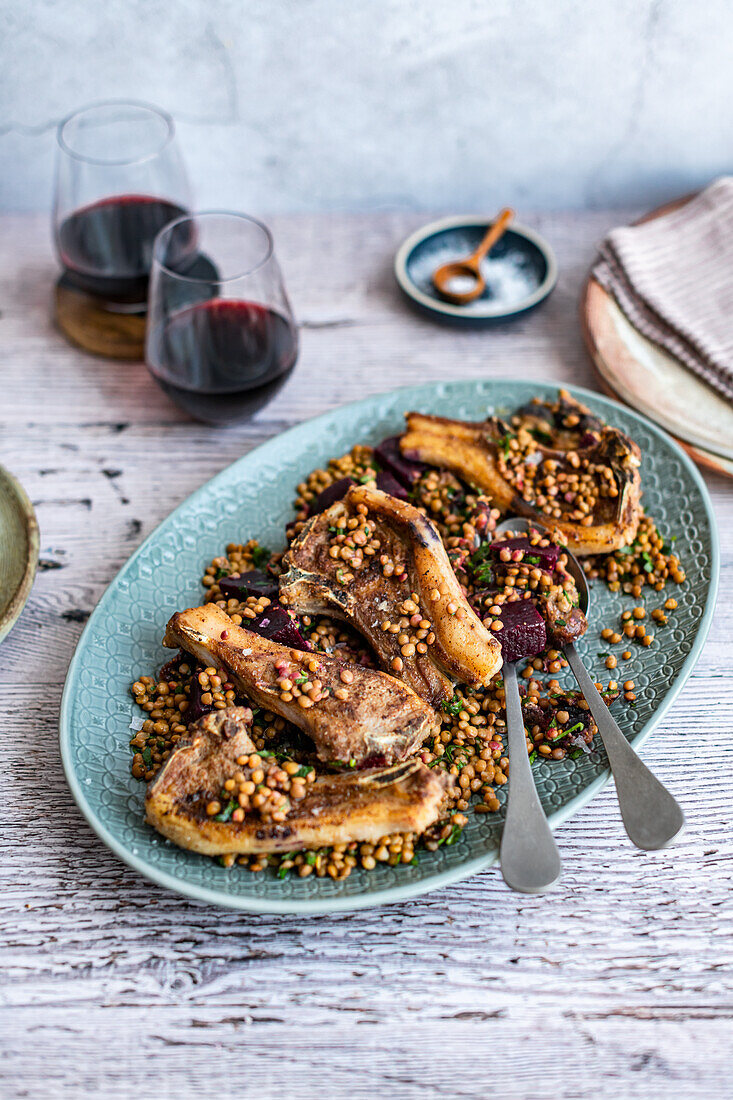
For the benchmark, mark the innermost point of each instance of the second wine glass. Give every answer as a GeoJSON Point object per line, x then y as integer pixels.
{"type": "Point", "coordinates": [221, 338]}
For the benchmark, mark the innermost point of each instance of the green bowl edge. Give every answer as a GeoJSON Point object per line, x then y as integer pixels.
{"type": "Point", "coordinates": [23, 591]}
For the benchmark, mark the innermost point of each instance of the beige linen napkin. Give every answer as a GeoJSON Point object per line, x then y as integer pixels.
{"type": "Point", "coordinates": [673, 278]}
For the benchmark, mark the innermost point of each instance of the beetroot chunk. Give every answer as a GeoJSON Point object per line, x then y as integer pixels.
{"type": "Point", "coordinates": [389, 484]}
{"type": "Point", "coordinates": [389, 455]}
{"type": "Point", "coordinates": [336, 491]}
{"type": "Point", "coordinates": [196, 707]}
{"type": "Point", "coordinates": [278, 624]}
{"type": "Point", "coordinates": [254, 583]}
{"type": "Point", "coordinates": [523, 632]}
{"type": "Point", "coordinates": [546, 556]}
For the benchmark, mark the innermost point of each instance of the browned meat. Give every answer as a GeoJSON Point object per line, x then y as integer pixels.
{"type": "Point", "coordinates": [335, 809]}
{"type": "Point", "coordinates": [350, 712]}
{"type": "Point", "coordinates": [475, 453]}
{"type": "Point", "coordinates": [380, 564]}
{"type": "Point", "coordinates": [565, 623]}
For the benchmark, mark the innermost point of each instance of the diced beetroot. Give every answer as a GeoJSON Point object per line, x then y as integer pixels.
{"type": "Point", "coordinates": [523, 633]}
{"type": "Point", "coordinates": [254, 583]}
{"type": "Point", "coordinates": [389, 455]}
{"type": "Point", "coordinates": [196, 708]}
{"type": "Point", "coordinates": [278, 624]}
{"type": "Point", "coordinates": [336, 491]}
{"type": "Point", "coordinates": [546, 555]}
{"type": "Point", "coordinates": [389, 484]}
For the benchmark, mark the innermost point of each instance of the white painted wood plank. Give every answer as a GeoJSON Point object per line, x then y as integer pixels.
{"type": "Point", "coordinates": [619, 983]}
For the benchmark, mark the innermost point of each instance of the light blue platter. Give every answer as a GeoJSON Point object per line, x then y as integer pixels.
{"type": "Point", "coordinates": [253, 498]}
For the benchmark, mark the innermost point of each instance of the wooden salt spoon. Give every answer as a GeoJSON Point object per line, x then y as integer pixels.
{"type": "Point", "coordinates": [470, 267]}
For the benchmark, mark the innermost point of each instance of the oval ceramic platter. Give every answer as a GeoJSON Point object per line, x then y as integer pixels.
{"type": "Point", "coordinates": [252, 498]}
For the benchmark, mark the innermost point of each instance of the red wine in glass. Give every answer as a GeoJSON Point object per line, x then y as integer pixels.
{"type": "Point", "coordinates": [119, 181]}
{"type": "Point", "coordinates": [221, 338]}
{"type": "Point", "coordinates": [233, 355]}
{"type": "Point", "coordinates": [106, 247]}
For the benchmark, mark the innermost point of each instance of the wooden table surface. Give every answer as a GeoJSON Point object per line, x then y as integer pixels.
{"type": "Point", "coordinates": [617, 984]}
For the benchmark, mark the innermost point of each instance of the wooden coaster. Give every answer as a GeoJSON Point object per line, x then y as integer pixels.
{"type": "Point", "coordinates": [649, 379]}
{"type": "Point", "coordinates": [90, 324]}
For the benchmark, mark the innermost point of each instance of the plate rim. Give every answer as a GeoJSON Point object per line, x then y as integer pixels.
{"type": "Point", "coordinates": [19, 598]}
{"type": "Point", "coordinates": [407, 890]}
{"type": "Point", "coordinates": [458, 312]}
{"type": "Point", "coordinates": [594, 296]}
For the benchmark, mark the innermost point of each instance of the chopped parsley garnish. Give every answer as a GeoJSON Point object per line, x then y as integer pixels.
{"type": "Point", "coordinates": [531, 559]}
{"type": "Point", "coordinates": [453, 706]}
{"type": "Point", "coordinates": [302, 678]}
{"type": "Point", "coordinates": [540, 436]}
{"type": "Point", "coordinates": [484, 575]}
{"type": "Point", "coordinates": [260, 556]}
{"type": "Point", "coordinates": [452, 836]}
{"type": "Point", "coordinates": [576, 753]}
{"type": "Point", "coordinates": [147, 755]}
{"type": "Point", "coordinates": [504, 442]}
{"type": "Point", "coordinates": [560, 622]}
{"type": "Point", "coordinates": [226, 813]}
{"type": "Point", "coordinates": [303, 771]}
{"type": "Point", "coordinates": [481, 564]}
{"type": "Point", "coordinates": [310, 858]}
{"type": "Point", "coordinates": [221, 573]}
{"type": "Point", "coordinates": [533, 756]}
{"type": "Point", "coordinates": [648, 561]}
{"type": "Point", "coordinates": [282, 871]}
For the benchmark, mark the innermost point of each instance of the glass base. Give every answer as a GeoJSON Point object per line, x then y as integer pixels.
{"type": "Point", "coordinates": [99, 327]}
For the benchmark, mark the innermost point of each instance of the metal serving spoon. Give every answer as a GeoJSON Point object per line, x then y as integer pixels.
{"type": "Point", "coordinates": [530, 861]}
{"type": "Point", "coordinates": [468, 270]}
{"type": "Point", "coordinates": [651, 816]}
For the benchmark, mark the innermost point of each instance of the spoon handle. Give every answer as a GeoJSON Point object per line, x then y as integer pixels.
{"type": "Point", "coordinates": [651, 816]}
{"type": "Point", "coordinates": [494, 233]}
{"type": "Point", "coordinates": [530, 861]}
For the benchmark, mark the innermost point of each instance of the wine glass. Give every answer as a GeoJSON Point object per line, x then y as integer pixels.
{"type": "Point", "coordinates": [221, 336]}
{"type": "Point", "coordinates": [119, 180]}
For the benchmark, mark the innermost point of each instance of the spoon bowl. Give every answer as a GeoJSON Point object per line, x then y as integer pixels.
{"type": "Point", "coordinates": [521, 526]}
{"type": "Point", "coordinates": [469, 268]}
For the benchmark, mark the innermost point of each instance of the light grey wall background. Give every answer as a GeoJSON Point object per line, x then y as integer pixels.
{"type": "Point", "coordinates": [361, 104]}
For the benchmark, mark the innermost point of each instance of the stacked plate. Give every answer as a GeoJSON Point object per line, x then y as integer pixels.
{"type": "Point", "coordinates": [649, 379]}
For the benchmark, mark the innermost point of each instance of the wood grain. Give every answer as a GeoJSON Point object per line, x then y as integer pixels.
{"type": "Point", "coordinates": [619, 983]}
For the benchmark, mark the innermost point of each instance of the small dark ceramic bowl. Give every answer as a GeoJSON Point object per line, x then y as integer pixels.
{"type": "Point", "coordinates": [520, 271]}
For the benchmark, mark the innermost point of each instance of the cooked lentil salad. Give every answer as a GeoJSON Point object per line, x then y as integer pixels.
{"type": "Point", "coordinates": [471, 742]}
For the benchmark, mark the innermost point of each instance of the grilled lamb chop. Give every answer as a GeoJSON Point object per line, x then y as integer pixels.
{"type": "Point", "coordinates": [478, 454]}
{"type": "Point", "coordinates": [350, 712]}
{"type": "Point", "coordinates": [374, 560]}
{"type": "Point", "coordinates": [335, 809]}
